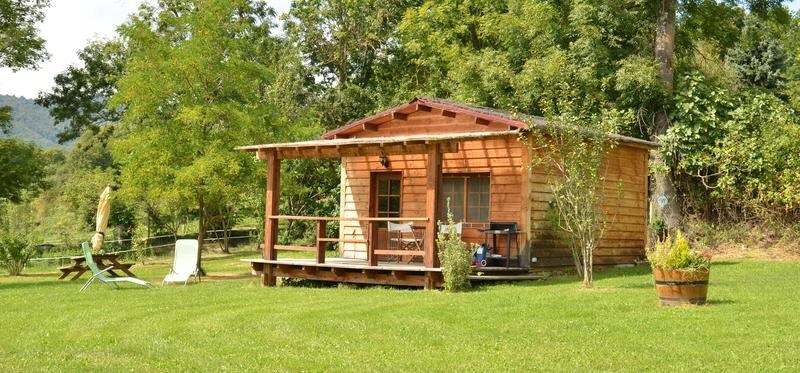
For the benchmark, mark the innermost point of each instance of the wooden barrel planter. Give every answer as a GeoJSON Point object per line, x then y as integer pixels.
{"type": "Point", "coordinates": [676, 288]}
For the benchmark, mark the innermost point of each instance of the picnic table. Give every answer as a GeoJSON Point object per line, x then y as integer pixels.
{"type": "Point", "coordinates": [103, 261]}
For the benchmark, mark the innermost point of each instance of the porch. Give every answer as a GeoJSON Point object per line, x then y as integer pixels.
{"type": "Point", "coordinates": [408, 267]}
{"type": "Point", "coordinates": [358, 271]}
{"type": "Point", "coordinates": [393, 166]}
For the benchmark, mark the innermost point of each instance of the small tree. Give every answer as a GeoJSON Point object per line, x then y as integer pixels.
{"type": "Point", "coordinates": [574, 157]}
{"type": "Point", "coordinates": [15, 252]}
{"type": "Point", "coordinates": [455, 256]}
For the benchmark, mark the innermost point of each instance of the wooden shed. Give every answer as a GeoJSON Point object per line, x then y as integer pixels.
{"type": "Point", "coordinates": [400, 165]}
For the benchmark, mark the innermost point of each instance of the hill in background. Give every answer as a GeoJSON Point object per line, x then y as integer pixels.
{"type": "Point", "coordinates": [31, 122]}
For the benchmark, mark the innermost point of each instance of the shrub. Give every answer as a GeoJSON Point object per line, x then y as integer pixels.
{"type": "Point", "coordinates": [15, 252]}
{"type": "Point", "coordinates": [455, 257]}
{"type": "Point", "coordinates": [676, 253]}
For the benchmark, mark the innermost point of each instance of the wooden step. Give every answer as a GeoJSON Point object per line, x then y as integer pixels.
{"type": "Point", "coordinates": [507, 277]}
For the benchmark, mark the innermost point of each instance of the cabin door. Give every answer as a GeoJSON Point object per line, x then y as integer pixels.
{"type": "Point", "coordinates": [385, 189]}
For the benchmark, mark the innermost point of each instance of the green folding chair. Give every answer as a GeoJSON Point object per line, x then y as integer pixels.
{"type": "Point", "coordinates": [100, 275]}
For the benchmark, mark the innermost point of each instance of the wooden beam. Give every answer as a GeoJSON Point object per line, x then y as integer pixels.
{"type": "Point", "coordinates": [322, 226]}
{"type": "Point", "coordinates": [525, 207]}
{"type": "Point", "coordinates": [421, 107]}
{"type": "Point", "coordinates": [430, 282]}
{"type": "Point", "coordinates": [268, 275]}
{"type": "Point", "coordinates": [369, 127]}
{"type": "Point", "coordinates": [448, 113]}
{"type": "Point", "coordinates": [261, 155]}
{"type": "Point", "coordinates": [482, 121]}
{"type": "Point", "coordinates": [399, 116]}
{"type": "Point", "coordinates": [432, 188]}
{"type": "Point", "coordinates": [271, 204]}
{"type": "Point", "coordinates": [372, 258]}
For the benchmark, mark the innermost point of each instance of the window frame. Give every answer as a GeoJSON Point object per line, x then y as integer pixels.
{"type": "Point", "coordinates": [464, 176]}
{"type": "Point", "coordinates": [376, 195]}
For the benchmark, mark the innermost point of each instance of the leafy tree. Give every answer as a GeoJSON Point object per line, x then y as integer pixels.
{"type": "Point", "coordinates": [20, 44]}
{"type": "Point", "coordinates": [198, 82]}
{"type": "Point", "coordinates": [21, 47]}
{"type": "Point", "coordinates": [80, 95]}
{"type": "Point", "coordinates": [759, 61]}
{"type": "Point", "coordinates": [343, 43]}
{"type": "Point", "coordinates": [23, 169]}
{"type": "Point", "coordinates": [574, 154]}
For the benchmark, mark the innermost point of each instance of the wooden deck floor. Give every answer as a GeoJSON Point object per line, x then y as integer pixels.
{"type": "Point", "coordinates": [385, 273]}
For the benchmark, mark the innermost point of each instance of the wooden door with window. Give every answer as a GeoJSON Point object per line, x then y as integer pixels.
{"type": "Point", "coordinates": [386, 191]}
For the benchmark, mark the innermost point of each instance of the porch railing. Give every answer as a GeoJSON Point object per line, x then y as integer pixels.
{"type": "Point", "coordinates": [322, 240]}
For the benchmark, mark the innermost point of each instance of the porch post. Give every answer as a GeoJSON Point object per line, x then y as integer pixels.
{"type": "Point", "coordinates": [433, 185]}
{"type": "Point", "coordinates": [271, 224]}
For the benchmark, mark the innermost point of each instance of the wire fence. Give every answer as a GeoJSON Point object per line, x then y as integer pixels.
{"type": "Point", "coordinates": [146, 249]}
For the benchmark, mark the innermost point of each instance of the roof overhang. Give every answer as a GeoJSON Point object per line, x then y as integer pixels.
{"type": "Point", "coordinates": [365, 146]}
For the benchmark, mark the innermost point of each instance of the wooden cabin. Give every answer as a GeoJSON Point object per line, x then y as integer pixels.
{"type": "Point", "coordinates": [402, 164]}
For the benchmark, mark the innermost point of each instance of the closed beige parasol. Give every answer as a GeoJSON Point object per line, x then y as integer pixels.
{"type": "Point", "coordinates": [103, 210]}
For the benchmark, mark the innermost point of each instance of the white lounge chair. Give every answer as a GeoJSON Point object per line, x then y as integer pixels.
{"type": "Point", "coordinates": [184, 266]}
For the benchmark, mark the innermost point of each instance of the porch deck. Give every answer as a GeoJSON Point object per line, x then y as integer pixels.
{"type": "Point", "coordinates": [360, 271]}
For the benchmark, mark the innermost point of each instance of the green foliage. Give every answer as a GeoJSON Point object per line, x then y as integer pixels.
{"type": "Point", "coordinates": [23, 169]}
{"type": "Point", "coordinates": [759, 59]}
{"type": "Point", "coordinates": [535, 57]}
{"type": "Point", "coordinates": [200, 79]}
{"type": "Point", "coordinates": [675, 253]}
{"type": "Point", "coordinates": [574, 154]}
{"type": "Point", "coordinates": [79, 97]}
{"type": "Point", "coordinates": [717, 141]}
{"type": "Point", "coordinates": [455, 256]}
{"type": "Point", "coordinates": [15, 251]}
{"type": "Point", "coordinates": [20, 46]}
{"type": "Point", "coordinates": [309, 187]}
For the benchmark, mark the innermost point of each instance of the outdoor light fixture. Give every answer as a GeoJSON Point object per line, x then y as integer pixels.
{"type": "Point", "coordinates": [384, 160]}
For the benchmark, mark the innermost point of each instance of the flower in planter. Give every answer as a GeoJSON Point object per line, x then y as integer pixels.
{"type": "Point", "coordinates": [680, 274]}
{"type": "Point", "coordinates": [676, 253]}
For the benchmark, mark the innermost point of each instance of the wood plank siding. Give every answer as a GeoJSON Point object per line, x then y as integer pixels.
{"type": "Point", "coordinates": [517, 193]}
{"type": "Point", "coordinates": [625, 206]}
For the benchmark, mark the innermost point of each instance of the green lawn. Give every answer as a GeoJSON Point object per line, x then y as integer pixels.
{"type": "Point", "coordinates": [751, 323]}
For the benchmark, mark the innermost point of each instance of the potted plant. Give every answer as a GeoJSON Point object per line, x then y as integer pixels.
{"type": "Point", "coordinates": [680, 274]}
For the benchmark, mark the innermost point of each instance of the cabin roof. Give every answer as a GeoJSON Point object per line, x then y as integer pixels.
{"type": "Point", "coordinates": [514, 121]}
{"type": "Point", "coordinates": [335, 140]}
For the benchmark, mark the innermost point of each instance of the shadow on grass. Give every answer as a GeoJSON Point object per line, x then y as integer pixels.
{"type": "Point", "coordinates": [640, 285]}
{"type": "Point", "coordinates": [11, 285]}
{"type": "Point", "coordinates": [715, 302]}
{"type": "Point", "coordinates": [724, 263]}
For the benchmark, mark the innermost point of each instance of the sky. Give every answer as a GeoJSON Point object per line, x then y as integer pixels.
{"type": "Point", "coordinates": [70, 24]}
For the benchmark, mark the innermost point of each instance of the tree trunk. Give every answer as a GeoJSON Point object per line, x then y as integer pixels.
{"type": "Point", "coordinates": [226, 232]}
{"type": "Point", "coordinates": [587, 267]}
{"type": "Point", "coordinates": [668, 207]}
{"type": "Point", "coordinates": [201, 232]}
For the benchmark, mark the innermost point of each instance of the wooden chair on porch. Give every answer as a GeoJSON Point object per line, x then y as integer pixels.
{"type": "Point", "coordinates": [402, 236]}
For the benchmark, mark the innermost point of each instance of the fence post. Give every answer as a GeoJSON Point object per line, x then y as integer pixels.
{"type": "Point", "coordinates": [322, 226]}
{"type": "Point", "coordinates": [371, 257]}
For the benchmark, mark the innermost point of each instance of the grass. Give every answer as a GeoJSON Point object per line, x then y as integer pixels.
{"type": "Point", "coordinates": [751, 323]}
